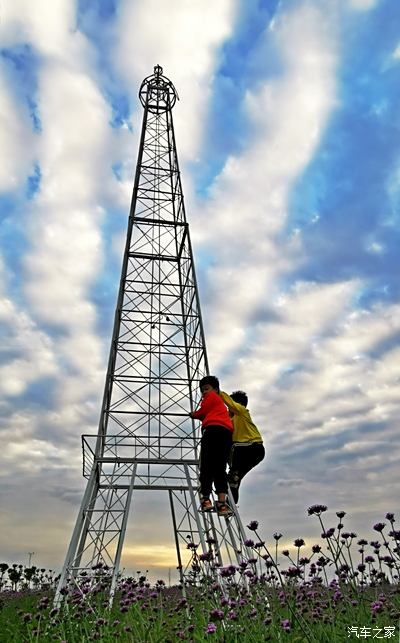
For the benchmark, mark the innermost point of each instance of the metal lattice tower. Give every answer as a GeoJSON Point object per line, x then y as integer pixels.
{"type": "Point", "coordinates": [146, 440]}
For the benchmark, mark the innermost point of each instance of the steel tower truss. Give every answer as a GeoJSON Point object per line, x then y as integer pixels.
{"type": "Point", "coordinates": [146, 440]}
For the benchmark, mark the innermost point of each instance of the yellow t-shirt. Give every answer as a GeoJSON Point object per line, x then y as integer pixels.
{"type": "Point", "coordinates": [244, 429]}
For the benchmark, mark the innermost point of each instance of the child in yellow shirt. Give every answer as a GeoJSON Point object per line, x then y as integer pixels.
{"type": "Point", "coordinates": [247, 448]}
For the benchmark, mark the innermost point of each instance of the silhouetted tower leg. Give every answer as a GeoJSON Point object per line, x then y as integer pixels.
{"type": "Point", "coordinates": [146, 439]}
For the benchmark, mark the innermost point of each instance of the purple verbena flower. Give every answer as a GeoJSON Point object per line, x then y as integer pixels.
{"type": "Point", "coordinates": [211, 628]}
{"type": "Point", "coordinates": [299, 542]}
{"type": "Point", "coordinates": [227, 571]}
{"type": "Point", "coordinates": [253, 525]}
{"type": "Point", "coordinates": [260, 544]}
{"type": "Point", "coordinates": [191, 546]}
{"type": "Point", "coordinates": [328, 533]}
{"type": "Point", "coordinates": [380, 526]}
{"type": "Point", "coordinates": [293, 572]}
{"type": "Point", "coordinates": [316, 510]}
{"type": "Point", "coordinates": [376, 607]}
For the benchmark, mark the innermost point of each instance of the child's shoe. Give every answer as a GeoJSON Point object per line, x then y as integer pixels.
{"type": "Point", "coordinates": [206, 505]}
{"type": "Point", "coordinates": [223, 509]}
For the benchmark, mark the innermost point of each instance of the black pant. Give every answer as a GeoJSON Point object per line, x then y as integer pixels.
{"type": "Point", "coordinates": [216, 443]}
{"type": "Point", "coordinates": [244, 457]}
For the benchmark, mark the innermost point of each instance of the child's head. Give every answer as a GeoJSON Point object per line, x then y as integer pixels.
{"type": "Point", "coordinates": [209, 383]}
{"type": "Point", "coordinates": [240, 397]}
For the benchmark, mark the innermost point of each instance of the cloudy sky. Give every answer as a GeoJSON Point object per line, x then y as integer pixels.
{"type": "Point", "coordinates": [288, 134]}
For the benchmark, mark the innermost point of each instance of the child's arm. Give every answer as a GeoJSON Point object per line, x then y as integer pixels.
{"type": "Point", "coordinates": [233, 406]}
{"type": "Point", "coordinates": [197, 415]}
{"type": "Point", "coordinates": [205, 407]}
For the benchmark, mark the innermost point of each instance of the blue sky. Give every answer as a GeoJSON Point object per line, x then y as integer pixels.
{"type": "Point", "coordinates": [288, 134]}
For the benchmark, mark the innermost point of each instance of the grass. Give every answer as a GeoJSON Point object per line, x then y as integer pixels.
{"type": "Point", "coordinates": [345, 589]}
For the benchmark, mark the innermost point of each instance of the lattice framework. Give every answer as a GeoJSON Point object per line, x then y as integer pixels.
{"type": "Point", "coordinates": [146, 440]}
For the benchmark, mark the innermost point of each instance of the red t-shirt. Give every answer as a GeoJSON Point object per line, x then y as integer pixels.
{"type": "Point", "coordinates": [213, 411]}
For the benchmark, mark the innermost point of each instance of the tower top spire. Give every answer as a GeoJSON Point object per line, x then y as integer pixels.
{"type": "Point", "coordinates": [157, 92]}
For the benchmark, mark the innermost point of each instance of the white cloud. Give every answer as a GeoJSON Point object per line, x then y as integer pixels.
{"type": "Point", "coordinates": [42, 455]}
{"type": "Point", "coordinates": [396, 53]}
{"type": "Point", "coordinates": [249, 201]}
{"type": "Point", "coordinates": [332, 417]}
{"type": "Point", "coordinates": [26, 352]}
{"type": "Point", "coordinates": [184, 38]}
{"type": "Point", "coordinates": [74, 150]}
{"type": "Point", "coordinates": [331, 392]}
{"type": "Point", "coordinates": [64, 223]}
{"type": "Point", "coordinates": [47, 26]}
{"type": "Point", "coordinates": [363, 5]}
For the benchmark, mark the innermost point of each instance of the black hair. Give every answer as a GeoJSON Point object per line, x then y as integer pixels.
{"type": "Point", "coordinates": [240, 397]}
{"type": "Point", "coordinates": [211, 380]}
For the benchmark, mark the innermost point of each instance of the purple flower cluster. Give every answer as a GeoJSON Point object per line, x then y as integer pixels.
{"type": "Point", "coordinates": [316, 510]}
{"type": "Point", "coordinates": [285, 593]}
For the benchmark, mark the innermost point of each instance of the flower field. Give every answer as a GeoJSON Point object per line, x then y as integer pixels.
{"type": "Point", "coordinates": [342, 588]}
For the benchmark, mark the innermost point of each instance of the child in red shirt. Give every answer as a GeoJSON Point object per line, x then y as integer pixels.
{"type": "Point", "coordinates": [216, 442]}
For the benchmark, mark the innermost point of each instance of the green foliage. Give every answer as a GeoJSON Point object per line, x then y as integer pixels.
{"type": "Point", "coordinates": [162, 615]}
{"type": "Point", "coordinates": [325, 596]}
